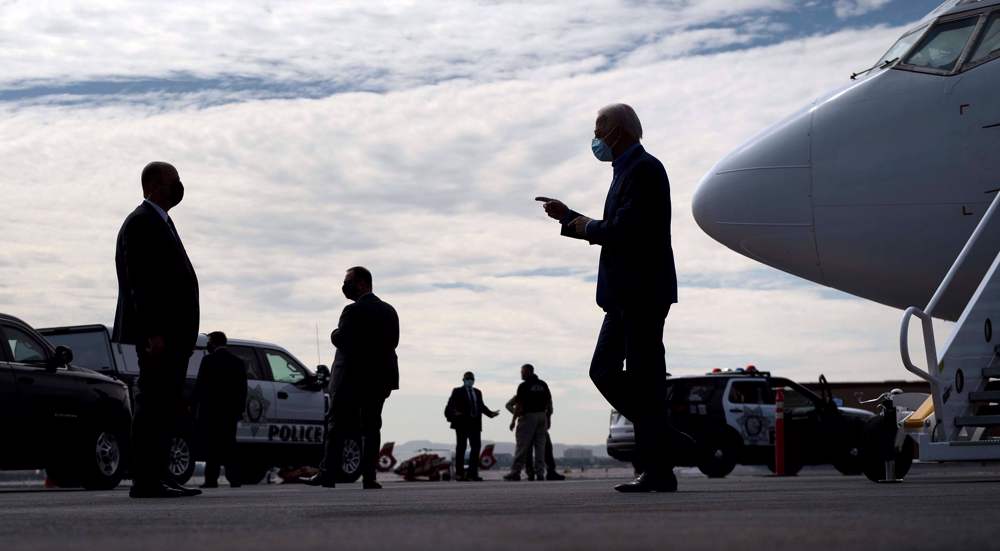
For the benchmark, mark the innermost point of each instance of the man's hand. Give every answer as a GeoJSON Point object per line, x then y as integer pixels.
{"type": "Point", "coordinates": [156, 345]}
{"type": "Point", "coordinates": [492, 414]}
{"type": "Point", "coordinates": [553, 207]}
{"type": "Point", "coordinates": [579, 225]}
{"type": "Point", "coordinates": [512, 425]}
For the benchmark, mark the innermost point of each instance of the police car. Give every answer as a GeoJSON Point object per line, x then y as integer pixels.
{"type": "Point", "coordinates": [284, 419]}
{"type": "Point", "coordinates": [731, 416]}
{"type": "Point", "coordinates": [57, 416]}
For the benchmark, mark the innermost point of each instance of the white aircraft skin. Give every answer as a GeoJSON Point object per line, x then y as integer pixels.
{"type": "Point", "coordinates": [875, 188]}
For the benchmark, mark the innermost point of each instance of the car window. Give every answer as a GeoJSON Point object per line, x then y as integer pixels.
{"type": "Point", "coordinates": [988, 46]}
{"type": "Point", "coordinates": [795, 399]}
{"type": "Point", "coordinates": [23, 347]}
{"type": "Point", "coordinates": [749, 392]}
{"type": "Point", "coordinates": [249, 357]}
{"type": "Point", "coordinates": [90, 348]}
{"type": "Point", "coordinates": [943, 45]}
{"type": "Point", "coordinates": [699, 392]}
{"type": "Point", "coordinates": [283, 368]}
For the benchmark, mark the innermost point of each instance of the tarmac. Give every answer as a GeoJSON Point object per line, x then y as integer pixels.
{"type": "Point", "coordinates": [937, 507]}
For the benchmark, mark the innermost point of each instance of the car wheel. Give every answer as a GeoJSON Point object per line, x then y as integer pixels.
{"type": "Point", "coordinates": [180, 463]}
{"type": "Point", "coordinates": [97, 461]}
{"type": "Point", "coordinates": [849, 464]}
{"type": "Point", "coordinates": [877, 448]}
{"type": "Point", "coordinates": [350, 468]}
{"type": "Point", "coordinates": [719, 454]}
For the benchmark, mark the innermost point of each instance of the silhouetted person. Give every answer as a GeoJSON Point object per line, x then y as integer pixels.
{"type": "Point", "coordinates": [532, 406]}
{"type": "Point", "coordinates": [365, 372]}
{"type": "Point", "coordinates": [158, 313]}
{"type": "Point", "coordinates": [636, 285]}
{"type": "Point", "coordinates": [220, 396]}
{"type": "Point", "coordinates": [465, 410]}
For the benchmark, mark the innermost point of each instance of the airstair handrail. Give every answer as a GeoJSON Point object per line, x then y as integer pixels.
{"type": "Point", "coordinates": [962, 256]}
{"type": "Point", "coordinates": [930, 347]}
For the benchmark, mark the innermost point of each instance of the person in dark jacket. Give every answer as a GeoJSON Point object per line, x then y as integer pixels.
{"type": "Point", "coordinates": [465, 411]}
{"type": "Point", "coordinates": [365, 372]}
{"type": "Point", "coordinates": [157, 312]}
{"type": "Point", "coordinates": [636, 286]}
{"type": "Point", "coordinates": [220, 397]}
{"type": "Point", "coordinates": [532, 408]}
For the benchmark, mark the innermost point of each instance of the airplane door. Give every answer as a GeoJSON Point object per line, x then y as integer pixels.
{"type": "Point", "coordinates": [260, 407]}
{"type": "Point", "coordinates": [301, 406]}
{"type": "Point", "coordinates": [748, 411]}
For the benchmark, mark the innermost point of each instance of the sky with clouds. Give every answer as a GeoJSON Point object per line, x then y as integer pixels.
{"type": "Point", "coordinates": [411, 137]}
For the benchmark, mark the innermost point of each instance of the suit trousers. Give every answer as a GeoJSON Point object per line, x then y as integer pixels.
{"type": "Point", "coordinates": [353, 416]}
{"type": "Point", "coordinates": [633, 339]}
{"type": "Point", "coordinates": [532, 431]}
{"type": "Point", "coordinates": [157, 408]}
{"type": "Point", "coordinates": [472, 436]}
{"type": "Point", "coordinates": [219, 441]}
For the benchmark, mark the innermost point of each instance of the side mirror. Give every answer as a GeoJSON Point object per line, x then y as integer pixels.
{"type": "Point", "coordinates": [63, 357]}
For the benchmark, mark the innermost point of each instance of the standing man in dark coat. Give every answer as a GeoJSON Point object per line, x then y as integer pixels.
{"type": "Point", "coordinates": [158, 313]}
{"type": "Point", "coordinates": [636, 285]}
{"type": "Point", "coordinates": [365, 372]}
{"type": "Point", "coordinates": [465, 412]}
{"type": "Point", "coordinates": [220, 397]}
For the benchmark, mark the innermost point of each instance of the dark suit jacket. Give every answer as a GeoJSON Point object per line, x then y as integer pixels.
{"type": "Point", "coordinates": [220, 393]}
{"type": "Point", "coordinates": [459, 410]}
{"type": "Point", "coordinates": [366, 337]}
{"type": "Point", "coordinates": [157, 286]}
{"type": "Point", "coordinates": [637, 260]}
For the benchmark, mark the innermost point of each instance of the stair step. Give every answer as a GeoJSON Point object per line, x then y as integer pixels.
{"type": "Point", "coordinates": [976, 443]}
{"type": "Point", "coordinates": [985, 396]}
{"type": "Point", "coordinates": [992, 372]}
{"type": "Point", "coordinates": [978, 421]}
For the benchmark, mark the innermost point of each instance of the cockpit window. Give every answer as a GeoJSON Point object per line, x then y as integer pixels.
{"type": "Point", "coordinates": [989, 45]}
{"type": "Point", "coordinates": [901, 46]}
{"type": "Point", "coordinates": [943, 45]}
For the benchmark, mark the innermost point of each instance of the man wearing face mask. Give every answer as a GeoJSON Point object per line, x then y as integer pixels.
{"type": "Point", "coordinates": [636, 285]}
{"type": "Point", "coordinates": [465, 412]}
{"type": "Point", "coordinates": [157, 312]}
{"type": "Point", "coordinates": [365, 372]}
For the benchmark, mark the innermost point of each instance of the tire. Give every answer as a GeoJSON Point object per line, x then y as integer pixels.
{"type": "Point", "coordinates": [875, 450]}
{"type": "Point", "coordinates": [719, 454]}
{"type": "Point", "coordinates": [849, 463]}
{"type": "Point", "coordinates": [350, 467]}
{"type": "Point", "coordinates": [180, 465]}
{"type": "Point", "coordinates": [96, 461]}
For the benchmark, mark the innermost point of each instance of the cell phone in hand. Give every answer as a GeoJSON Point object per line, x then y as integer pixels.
{"type": "Point", "coordinates": [544, 199]}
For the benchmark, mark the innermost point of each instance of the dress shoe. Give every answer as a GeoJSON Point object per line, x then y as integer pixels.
{"type": "Point", "coordinates": [512, 477]}
{"type": "Point", "coordinates": [153, 491]}
{"type": "Point", "coordinates": [371, 485]}
{"type": "Point", "coordinates": [188, 492]}
{"type": "Point", "coordinates": [554, 476]}
{"type": "Point", "coordinates": [647, 482]}
{"type": "Point", "coordinates": [474, 478]}
{"type": "Point", "coordinates": [319, 480]}
{"type": "Point", "coordinates": [209, 485]}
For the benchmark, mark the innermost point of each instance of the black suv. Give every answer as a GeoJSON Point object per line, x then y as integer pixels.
{"type": "Point", "coordinates": [71, 421]}
{"type": "Point", "coordinates": [731, 416]}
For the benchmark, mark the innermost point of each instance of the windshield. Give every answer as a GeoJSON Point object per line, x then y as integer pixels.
{"type": "Point", "coordinates": [902, 46]}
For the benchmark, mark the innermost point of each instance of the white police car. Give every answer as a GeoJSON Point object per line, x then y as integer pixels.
{"type": "Point", "coordinates": [58, 416]}
{"type": "Point", "coordinates": [284, 420]}
{"type": "Point", "coordinates": [731, 416]}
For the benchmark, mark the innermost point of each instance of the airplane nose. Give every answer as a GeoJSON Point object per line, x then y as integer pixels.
{"type": "Point", "coordinates": [758, 200]}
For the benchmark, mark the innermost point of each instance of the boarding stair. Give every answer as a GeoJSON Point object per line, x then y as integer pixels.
{"type": "Point", "coordinates": [965, 379]}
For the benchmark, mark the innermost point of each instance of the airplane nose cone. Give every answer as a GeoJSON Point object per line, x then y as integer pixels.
{"type": "Point", "coordinates": [758, 200]}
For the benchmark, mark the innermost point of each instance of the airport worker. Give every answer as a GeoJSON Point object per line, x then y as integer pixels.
{"type": "Point", "coordinates": [551, 473]}
{"type": "Point", "coordinates": [531, 410]}
{"type": "Point", "coordinates": [157, 312]}
{"type": "Point", "coordinates": [465, 411]}
{"type": "Point", "coordinates": [636, 286]}
{"type": "Point", "coordinates": [365, 372]}
{"type": "Point", "coordinates": [220, 397]}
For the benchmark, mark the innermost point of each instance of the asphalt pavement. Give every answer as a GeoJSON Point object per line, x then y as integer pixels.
{"type": "Point", "coordinates": [937, 507]}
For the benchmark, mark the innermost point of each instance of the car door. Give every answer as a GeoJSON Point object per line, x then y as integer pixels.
{"type": "Point", "coordinates": [49, 398]}
{"type": "Point", "coordinates": [260, 407]}
{"type": "Point", "coordinates": [10, 413]}
{"type": "Point", "coordinates": [750, 410]}
{"type": "Point", "coordinates": [808, 421]}
{"type": "Point", "coordinates": [301, 404]}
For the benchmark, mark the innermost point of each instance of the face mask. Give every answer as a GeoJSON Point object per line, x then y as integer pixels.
{"type": "Point", "coordinates": [177, 194]}
{"type": "Point", "coordinates": [602, 150]}
{"type": "Point", "coordinates": [348, 291]}
{"type": "Point", "coordinates": [469, 383]}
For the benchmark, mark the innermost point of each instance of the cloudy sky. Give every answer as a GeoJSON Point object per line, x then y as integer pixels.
{"type": "Point", "coordinates": [411, 137]}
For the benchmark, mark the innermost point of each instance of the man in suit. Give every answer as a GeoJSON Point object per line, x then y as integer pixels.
{"type": "Point", "coordinates": [158, 313]}
{"type": "Point", "coordinates": [220, 397]}
{"type": "Point", "coordinates": [365, 372]}
{"type": "Point", "coordinates": [465, 410]}
{"type": "Point", "coordinates": [636, 285]}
